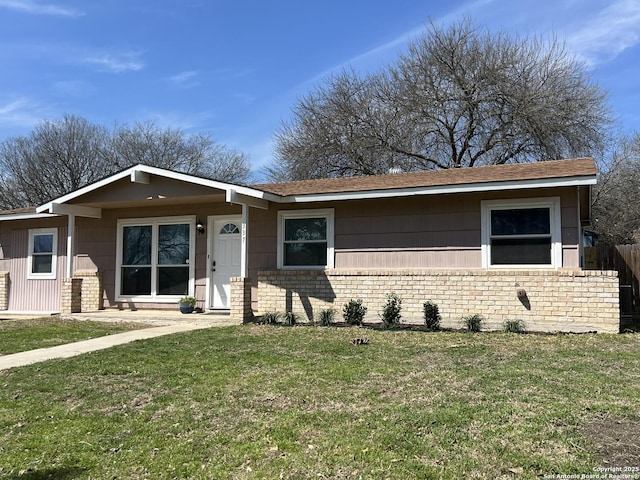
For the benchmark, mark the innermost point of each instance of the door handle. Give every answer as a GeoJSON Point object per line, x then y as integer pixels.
{"type": "Point", "coordinates": [213, 266]}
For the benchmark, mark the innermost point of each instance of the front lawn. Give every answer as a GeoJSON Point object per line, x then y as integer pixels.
{"type": "Point", "coordinates": [303, 402]}
{"type": "Point", "coordinates": [28, 334]}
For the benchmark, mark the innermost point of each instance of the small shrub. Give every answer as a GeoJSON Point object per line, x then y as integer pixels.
{"type": "Point", "coordinates": [473, 323]}
{"type": "Point", "coordinates": [270, 318]}
{"type": "Point", "coordinates": [431, 315]}
{"type": "Point", "coordinates": [391, 311]}
{"type": "Point", "coordinates": [327, 317]}
{"type": "Point", "coordinates": [514, 326]}
{"type": "Point", "coordinates": [354, 312]}
{"type": "Point", "coordinates": [291, 318]}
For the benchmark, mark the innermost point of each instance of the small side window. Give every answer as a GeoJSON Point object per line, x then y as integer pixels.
{"type": "Point", "coordinates": [42, 253]}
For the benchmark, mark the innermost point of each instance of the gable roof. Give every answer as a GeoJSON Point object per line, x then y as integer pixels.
{"type": "Point", "coordinates": [556, 171]}
{"type": "Point", "coordinates": [140, 173]}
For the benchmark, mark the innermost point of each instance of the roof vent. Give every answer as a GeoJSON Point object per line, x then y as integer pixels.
{"type": "Point", "coordinates": [393, 170]}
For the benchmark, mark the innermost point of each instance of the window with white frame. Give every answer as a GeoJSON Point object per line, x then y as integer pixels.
{"type": "Point", "coordinates": [305, 239]}
{"type": "Point", "coordinates": [154, 258]}
{"type": "Point", "coordinates": [42, 253]}
{"type": "Point", "coordinates": [521, 233]}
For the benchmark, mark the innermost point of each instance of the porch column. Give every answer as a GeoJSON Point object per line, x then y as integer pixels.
{"type": "Point", "coordinates": [71, 226]}
{"type": "Point", "coordinates": [241, 299]}
{"type": "Point", "coordinates": [244, 241]}
{"type": "Point", "coordinates": [71, 301]}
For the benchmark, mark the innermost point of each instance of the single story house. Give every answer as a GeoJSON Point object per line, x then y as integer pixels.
{"type": "Point", "coordinates": [505, 242]}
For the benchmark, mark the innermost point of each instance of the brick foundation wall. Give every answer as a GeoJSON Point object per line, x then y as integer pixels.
{"type": "Point", "coordinates": [71, 301]}
{"type": "Point", "coordinates": [4, 290]}
{"type": "Point", "coordinates": [91, 296]}
{"type": "Point", "coordinates": [240, 301]}
{"type": "Point", "coordinates": [546, 300]}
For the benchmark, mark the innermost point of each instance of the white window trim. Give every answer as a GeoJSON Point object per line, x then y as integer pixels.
{"type": "Point", "coordinates": [327, 213]}
{"type": "Point", "coordinates": [154, 222]}
{"type": "Point", "coordinates": [54, 254]}
{"type": "Point", "coordinates": [555, 218]}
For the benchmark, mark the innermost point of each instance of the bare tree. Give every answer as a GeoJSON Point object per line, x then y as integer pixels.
{"type": "Point", "coordinates": [172, 149]}
{"type": "Point", "coordinates": [616, 200]}
{"type": "Point", "coordinates": [58, 157]}
{"type": "Point", "coordinates": [459, 97]}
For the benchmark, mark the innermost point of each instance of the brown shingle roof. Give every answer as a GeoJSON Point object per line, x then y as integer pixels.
{"type": "Point", "coordinates": [433, 178]}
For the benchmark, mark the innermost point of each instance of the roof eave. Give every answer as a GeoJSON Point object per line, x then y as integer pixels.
{"type": "Point", "coordinates": [441, 189]}
{"type": "Point", "coordinates": [25, 216]}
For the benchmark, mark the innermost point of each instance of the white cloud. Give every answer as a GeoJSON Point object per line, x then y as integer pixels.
{"type": "Point", "coordinates": [115, 62]}
{"type": "Point", "coordinates": [187, 121]}
{"type": "Point", "coordinates": [109, 60]}
{"type": "Point", "coordinates": [231, 74]}
{"type": "Point", "coordinates": [184, 80]}
{"type": "Point", "coordinates": [21, 112]}
{"type": "Point", "coordinates": [35, 8]}
{"type": "Point", "coordinates": [74, 88]}
{"type": "Point", "coordinates": [245, 98]}
{"type": "Point", "coordinates": [609, 33]}
{"type": "Point", "coordinates": [376, 57]}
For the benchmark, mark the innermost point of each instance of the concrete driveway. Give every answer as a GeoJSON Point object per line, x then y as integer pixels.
{"type": "Point", "coordinates": [161, 323]}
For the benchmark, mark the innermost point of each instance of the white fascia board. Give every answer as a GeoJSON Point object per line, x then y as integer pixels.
{"type": "Point", "coordinates": [233, 196]}
{"type": "Point", "coordinates": [138, 176]}
{"type": "Point", "coordinates": [255, 193]}
{"type": "Point", "coordinates": [76, 210]}
{"type": "Point", "coordinates": [25, 216]}
{"type": "Point", "coordinates": [185, 177]}
{"type": "Point", "coordinates": [441, 189]}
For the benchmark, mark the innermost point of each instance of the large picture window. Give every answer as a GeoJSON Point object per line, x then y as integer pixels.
{"type": "Point", "coordinates": [305, 239]}
{"type": "Point", "coordinates": [42, 253]}
{"type": "Point", "coordinates": [521, 233]}
{"type": "Point", "coordinates": [155, 258]}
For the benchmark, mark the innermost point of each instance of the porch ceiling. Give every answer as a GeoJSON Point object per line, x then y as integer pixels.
{"type": "Point", "coordinates": [150, 201]}
{"type": "Point", "coordinates": [158, 192]}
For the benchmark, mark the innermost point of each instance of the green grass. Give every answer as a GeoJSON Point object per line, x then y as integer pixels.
{"type": "Point", "coordinates": [279, 402]}
{"type": "Point", "coordinates": [21, 335]}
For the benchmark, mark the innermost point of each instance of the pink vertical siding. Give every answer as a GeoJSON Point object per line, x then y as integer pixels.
{"type": "Point", "coordinates": [41, 295]}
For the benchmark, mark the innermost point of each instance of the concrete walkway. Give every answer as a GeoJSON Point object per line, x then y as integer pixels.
{"type": "Point", "coordinates": [164, 325]}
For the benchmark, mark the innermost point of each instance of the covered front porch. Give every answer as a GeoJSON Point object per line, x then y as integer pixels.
{"type": "Point", "coordinates": [144, 238]}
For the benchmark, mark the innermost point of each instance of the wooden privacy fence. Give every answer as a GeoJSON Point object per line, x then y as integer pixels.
{"type": "Point", "coordinates": [625, 259]}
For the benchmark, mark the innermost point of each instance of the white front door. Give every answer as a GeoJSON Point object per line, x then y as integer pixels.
{"type": "Point", "coordinates": [224, 258]}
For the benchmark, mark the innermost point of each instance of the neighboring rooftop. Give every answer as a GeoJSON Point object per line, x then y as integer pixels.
{"type": "Point", "coordinates": [17, 211]}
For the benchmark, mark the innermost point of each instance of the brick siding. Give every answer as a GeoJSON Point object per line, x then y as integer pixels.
{"type": "Point", "coordinates": [92, 299]}
{"type": "Point", "coordinates": [546, 300]}
{"type": "Point", "coordinates": [71, 301]}
{"type": "Point", "coordinates": [240, 299]}
{"type": "Point", "coordinates": [4, 290]}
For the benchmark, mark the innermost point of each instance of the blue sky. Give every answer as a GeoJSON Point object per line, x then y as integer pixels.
{"type": "Point", "coordinates": [235, 68]}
